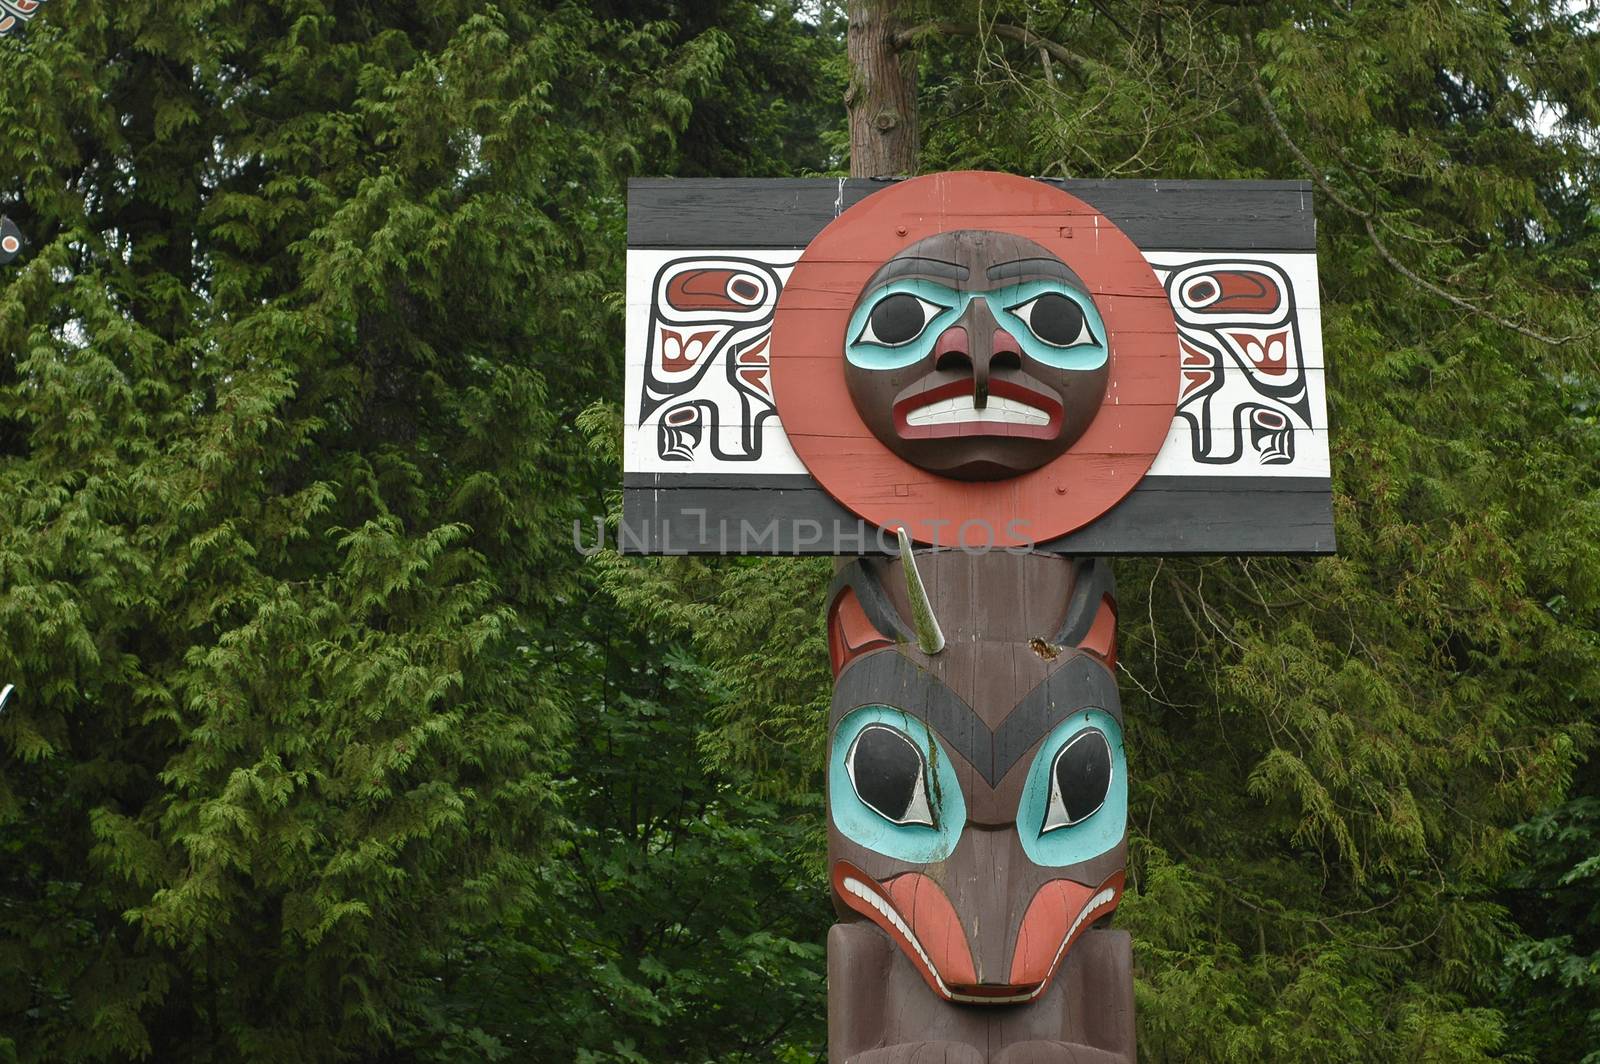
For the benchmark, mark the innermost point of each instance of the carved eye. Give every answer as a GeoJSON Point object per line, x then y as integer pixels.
{"type": "Point", "coordinates": [1079, 780]}
{"type": "Point", "coordinates": [1055, 319]}
{"type": "Point", "coordinates": [898, 319]}
{"type": "Point", "coordinates": [890, 774]}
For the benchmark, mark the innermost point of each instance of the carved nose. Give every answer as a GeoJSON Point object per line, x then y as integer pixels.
{"type": "Point", "coordinates": [975, 345]}
{"type": "Point", "coordinates": [985, 901]}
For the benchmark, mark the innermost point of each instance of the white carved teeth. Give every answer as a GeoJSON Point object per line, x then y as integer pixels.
{"type": "Point", "coordinates": [870, 896]}
{"type": "Point", "coordinates": [1099, 901]}
{"type": "Point", "coordinates": [961, 410]}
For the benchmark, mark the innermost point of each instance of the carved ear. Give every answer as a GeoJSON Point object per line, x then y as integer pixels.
{"type": "Point", "coordinates": [1102, 637]}
{"type": "Point", "coordinates": [860, 615]}
{"type": "Point", "coordinates": [1091, 621]}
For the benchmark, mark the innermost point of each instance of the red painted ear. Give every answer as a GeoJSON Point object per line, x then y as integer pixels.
{"type": "Point", "coordinates": [850, 632]}
{"type": "Point", "coordinates": [1102, 637]}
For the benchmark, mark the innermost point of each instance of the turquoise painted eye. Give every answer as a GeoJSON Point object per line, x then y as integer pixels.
{"type": "Point", "coordinates": [1075, 800]}
{"type": "Point", "coordinates": [1080, 779]}
{"type": "Point", "coordinates": [897, 319]}
{"type": "Point", "coordinates": [1055, 324]}
{"type": "Point", "coordinates": [890, 775]}
{"type": "Point", "coordinates": [898, 324]}
{"type": "Point", "coordinates": [891, 787]}
{"type": "Point", "coordinates": [1056, 320]}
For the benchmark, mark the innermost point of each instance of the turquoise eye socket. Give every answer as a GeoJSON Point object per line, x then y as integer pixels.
{"type": "Point", "coordinates": [1056, 320]}
{"type": "Point", "coordinates": [1075, 800]}
{"type": "Point", "coordinates": [897, 319]}
{"type": "Point", "coordinates": [898, 324]}
{"type": "Point", "coordinates": [891, 787]}
{"type": "Point", "coordinates": [1055, 324]}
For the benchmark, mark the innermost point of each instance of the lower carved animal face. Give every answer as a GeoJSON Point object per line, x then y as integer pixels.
{"type": "Point", "coordinates": [976, 355]}
{"type": "Point", "coordinates": [978, 797]}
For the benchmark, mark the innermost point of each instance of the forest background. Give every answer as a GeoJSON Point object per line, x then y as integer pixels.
{"type": "Point", "coordinates": [327, 746]}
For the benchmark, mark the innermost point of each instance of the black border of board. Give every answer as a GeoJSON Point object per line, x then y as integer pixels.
{"type": "Point", "coordinates": [665, 513]}
{"type": "Point", "coordinates": [729, 213]}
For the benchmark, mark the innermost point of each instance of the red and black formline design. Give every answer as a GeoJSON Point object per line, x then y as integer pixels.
{"type": "Point", "coordinates": [14, 15]}
{"type": "Point", "coordinates": [1244, 392]}
{"type": "Point", "coordinates": [706, 376]}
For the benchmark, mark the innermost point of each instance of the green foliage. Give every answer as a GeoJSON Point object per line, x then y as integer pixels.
{"type": "Point", "coordinates": [315, 291]}
{"type": "Point", "coordinates": [1551, 982]}
{"type": "Point", "coordinates": [326, 745]}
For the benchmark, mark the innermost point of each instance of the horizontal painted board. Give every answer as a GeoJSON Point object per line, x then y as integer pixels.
{"type": "Point", "coordinates": [1235, 375]}
{"type": "Point", "coordinates": [788, 212]}
{"type": "Point", "coordinates": [790, 515]}
{"type": "Point", "coordinates": [714, 435]}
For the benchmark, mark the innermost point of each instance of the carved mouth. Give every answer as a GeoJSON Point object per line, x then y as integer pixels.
{"type": "Point", "coordinates": [1046, 934]}
{"type": "Point", "coordinates": [1028, 978]}
{"type": "Point", "coordinates": [883, 911]}
{"type": "Point", "coordinates": [951, 410]}
{"type": "Point", "coordinates": [964, 410]}
{"type": "Point", "coordinates": [1103, 901]}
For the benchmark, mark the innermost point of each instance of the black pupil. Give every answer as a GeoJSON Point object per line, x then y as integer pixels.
{"type": "Point", "coordinates": [1083, 775]}
{"type": "Point", "coordinates": [898, 318]}
{"type": "Point", "coordinates": [886, 767]}
{"type": "Point", "coordinates": [744, 289]}
{"type": "Point", "coordinates": [1056, 319]}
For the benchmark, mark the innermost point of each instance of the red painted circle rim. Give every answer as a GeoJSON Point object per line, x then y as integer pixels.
{"type": "Point", "coordinates": [869, 480]}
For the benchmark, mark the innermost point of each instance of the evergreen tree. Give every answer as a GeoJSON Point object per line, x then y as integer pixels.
{"type": "Point", "coordinates": [324, 746]}
{"type": "Point", "coordinates": [314, 292]}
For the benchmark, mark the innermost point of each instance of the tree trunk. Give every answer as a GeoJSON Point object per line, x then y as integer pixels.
{"type": "Point", "coordinates": [882, 97]}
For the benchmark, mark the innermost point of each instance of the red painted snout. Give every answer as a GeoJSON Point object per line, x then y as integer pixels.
{"type": "Point", "coordinates": [914, 911]}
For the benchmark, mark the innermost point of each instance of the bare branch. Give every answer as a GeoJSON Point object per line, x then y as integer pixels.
{"type": "Point", "coordinates": [1023, 36]}
{"type": "Point", "coordinates": [1368, 219]}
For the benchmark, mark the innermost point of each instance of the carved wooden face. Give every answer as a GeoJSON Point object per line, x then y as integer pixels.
{"type": "Point", "coordinates": [976, 355]}
{"type": "Point", "coordinates": [977, 798]}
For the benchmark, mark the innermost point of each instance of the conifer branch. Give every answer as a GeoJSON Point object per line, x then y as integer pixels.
{"type": "Point", "coordinates": [1026, 37]}
{"type": "Point", "coordinates": [1368, 219]}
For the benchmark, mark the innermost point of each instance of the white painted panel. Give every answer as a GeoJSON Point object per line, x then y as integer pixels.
{"type": "Point", "coordinates": [1229, 408]}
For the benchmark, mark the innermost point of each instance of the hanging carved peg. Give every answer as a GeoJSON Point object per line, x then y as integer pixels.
{"type": "Point", "coordinates": [930, 640]}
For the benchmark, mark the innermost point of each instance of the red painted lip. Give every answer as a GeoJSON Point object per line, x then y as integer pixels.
{"type": "Point", "coordinates": [915, 913]}
{"type": "Point", "coordinates": [917, 916]}
{"type": "Point", "coordinates": [1057, 916]}
{"type": "Point", "coordinates": [998, 387]}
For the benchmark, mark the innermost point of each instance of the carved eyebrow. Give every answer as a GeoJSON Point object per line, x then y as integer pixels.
{"type": "Point", "coordinates": [886, 678]}
{"type": "Point", "coordinates": [1025, 267]}
{"type": "Point", "coordinates": [952, 271]}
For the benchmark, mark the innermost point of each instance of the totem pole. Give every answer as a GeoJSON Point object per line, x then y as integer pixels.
{"type": "Point", "coordinates": [968, 387]}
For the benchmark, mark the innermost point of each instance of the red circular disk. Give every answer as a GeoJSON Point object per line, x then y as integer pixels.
{"type": "Point", "coordinates": [849, 462]}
